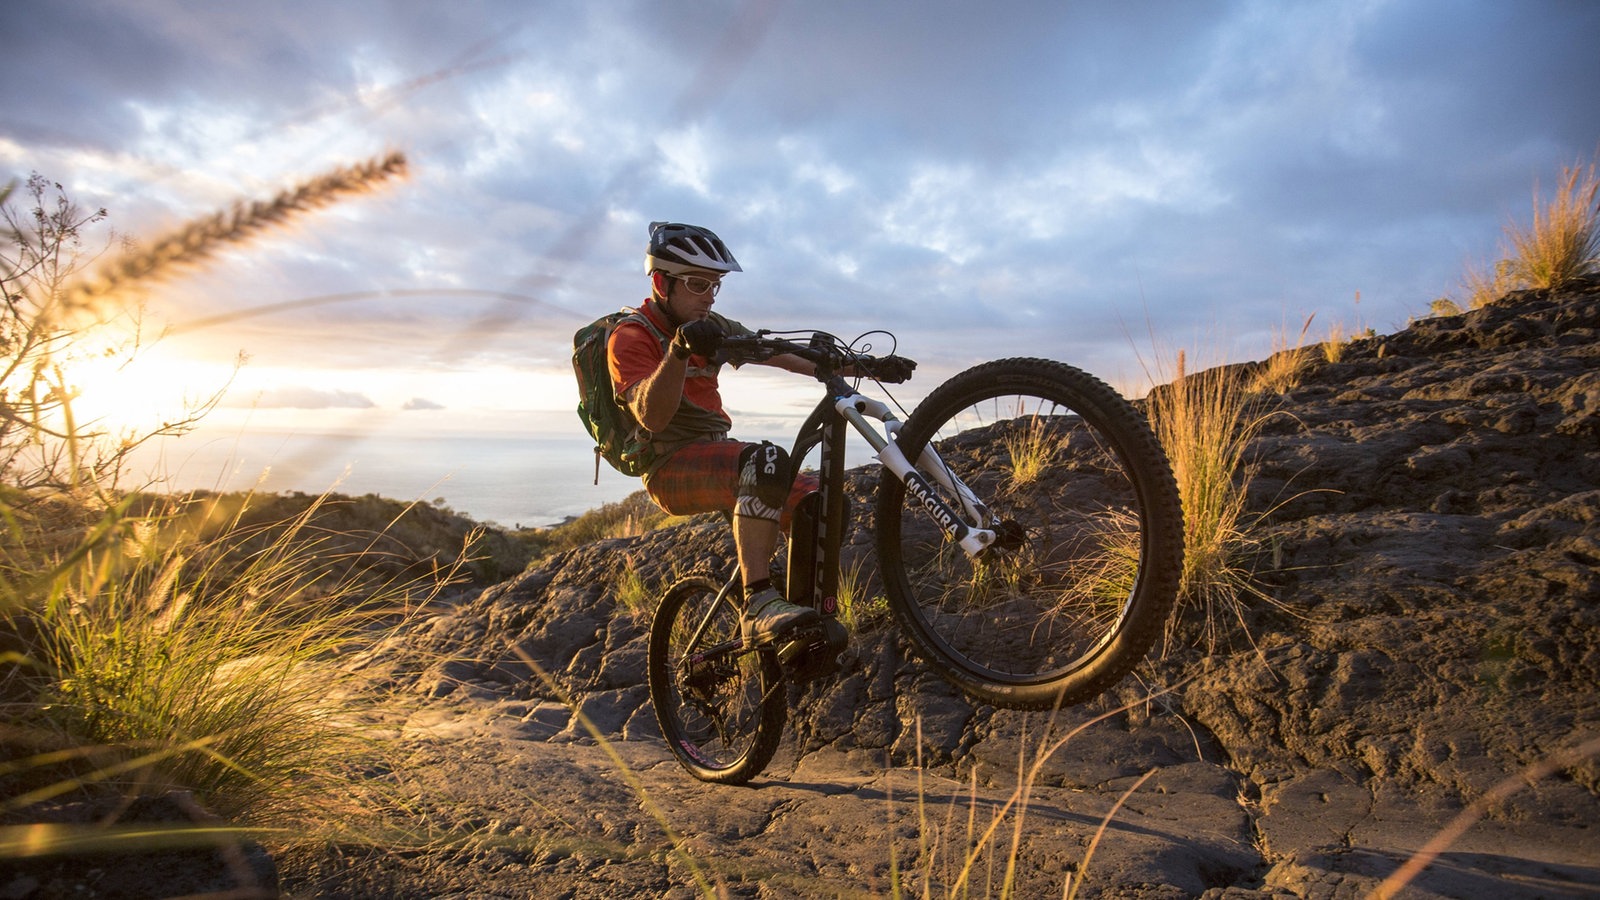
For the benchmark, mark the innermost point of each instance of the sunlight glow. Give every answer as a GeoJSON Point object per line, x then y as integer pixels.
{"type": "Point", "coordinates": [139, 395]}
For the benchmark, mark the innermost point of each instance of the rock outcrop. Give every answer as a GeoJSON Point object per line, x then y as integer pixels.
{"type": "Point", "coordinates": [1431, 554]}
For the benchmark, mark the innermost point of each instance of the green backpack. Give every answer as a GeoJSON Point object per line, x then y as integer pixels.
{"type": "Point", "coordinates": [618, 439]}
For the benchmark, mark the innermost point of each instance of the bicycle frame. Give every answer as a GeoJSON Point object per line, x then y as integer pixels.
{"type": "Point", "coordinates": [818, 531]}
{"type": "Point", "coordinates": [825, 427]}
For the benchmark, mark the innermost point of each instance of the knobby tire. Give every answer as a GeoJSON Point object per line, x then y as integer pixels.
{"type": "Point", "coordinates": [722, 717]}
{"type": "Point", "coordinates": [1082, 583]}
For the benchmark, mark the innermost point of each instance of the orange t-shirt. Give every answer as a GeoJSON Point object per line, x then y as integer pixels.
{"type": "Point", "coordinates": [635, 352]}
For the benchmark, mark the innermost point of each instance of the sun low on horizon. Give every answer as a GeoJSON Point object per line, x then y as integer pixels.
{"type": "Point", "coordinates": [159, 385]}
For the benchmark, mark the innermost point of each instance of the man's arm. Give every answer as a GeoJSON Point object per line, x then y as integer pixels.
{"type": "Point", "coordinates": [655, 400]}
{"type": "Point", "coordinates": [898, 372]}
{"type": "Point", "coordinates": [791, 363]}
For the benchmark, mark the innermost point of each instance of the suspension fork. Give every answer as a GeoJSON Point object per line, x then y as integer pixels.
{"type": "Point", "coordinates": [855, 409]}
{"type": "Point", "coordinates": [929, 462]}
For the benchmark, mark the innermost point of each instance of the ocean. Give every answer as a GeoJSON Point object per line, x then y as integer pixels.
{"type": "Point", "coordinates": [508, 480]}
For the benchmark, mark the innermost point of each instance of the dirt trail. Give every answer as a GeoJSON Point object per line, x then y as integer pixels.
{"type": "Point", "coordinates": [537, 810]}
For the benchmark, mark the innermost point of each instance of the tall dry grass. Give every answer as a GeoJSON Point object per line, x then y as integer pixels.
{"type": "Point", "coordinates": [1030, 451]}
{"type": "Point", "coordinates": [1562, 243]}
{"type": "Point", "coordinates": [144, 650]}
{"type": "Point", "coordinates": [1484, 285]}
{"type": "Point", "coordinates": [860, 606]}
{"type": "Point", "coordinates": [1568, 758]}
{"type": "Point", "coordinates": [191, 652]}
{"type": "Point", "coordinates": [1281, 371]}
{"type": "Point", "coordinates": [1558, 248]}
{"type": "Point", "coordinates": [171, 254]}
{"type": "Point", "coordinates": [1206, 421]}
{"type": "Point", "coordinates": [980, 851]}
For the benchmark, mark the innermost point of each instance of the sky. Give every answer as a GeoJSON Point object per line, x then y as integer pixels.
{"type": "Point", "coordinates": [1098, 182]}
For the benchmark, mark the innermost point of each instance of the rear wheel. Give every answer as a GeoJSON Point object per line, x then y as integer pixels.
{"type": "Point", "coordinates": [1084, 570]}
{"type": "Point", "coordinates": [721, 708]}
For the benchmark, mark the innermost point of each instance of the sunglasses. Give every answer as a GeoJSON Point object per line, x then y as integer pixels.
{"type": "Point", "coordinates": [698, 285]}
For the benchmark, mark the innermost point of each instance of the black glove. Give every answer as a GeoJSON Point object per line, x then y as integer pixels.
{"type": "Point", "coordinates": [701, 336]}
{"type": "Point", "coordinates": [889, 369]}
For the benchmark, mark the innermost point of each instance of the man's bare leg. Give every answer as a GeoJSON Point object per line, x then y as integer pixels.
{"type": "Point", "coordinates": [767, 615]}
{"type": "Point", "coordinates": [755, 540]}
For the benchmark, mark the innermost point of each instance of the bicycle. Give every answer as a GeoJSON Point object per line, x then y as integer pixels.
{"type": "Point", "coordinates": [1035, 583]}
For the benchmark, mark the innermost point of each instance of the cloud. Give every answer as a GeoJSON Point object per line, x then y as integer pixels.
{"type": "Point", "coordinates": [421, 403]}
{"type": "Point", "coordinates": [977, 182]}
{"type": "Point", "coordinates": [302, 398]}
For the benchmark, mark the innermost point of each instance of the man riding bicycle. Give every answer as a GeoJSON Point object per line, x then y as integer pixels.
{"type": "Point", "coordinates": [663, 367]}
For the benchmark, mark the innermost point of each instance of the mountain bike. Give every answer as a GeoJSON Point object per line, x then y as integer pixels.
{"type": "Point", "coordinates": [1029, 541]}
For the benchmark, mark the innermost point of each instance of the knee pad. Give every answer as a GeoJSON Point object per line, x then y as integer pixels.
{"type": "Point", "coordinates": [763, 481]}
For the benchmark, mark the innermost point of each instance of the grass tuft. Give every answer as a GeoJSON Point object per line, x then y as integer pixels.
{"type": "Point", "coordinates": [1558, 249]}
{"type": "Point", "coordinates": [634, 594]}
{"type": "Point", "coordinates": [1562, 245]}
{"type": "Point", "coordinates": [169, 658]}
{"type": "Point", "coordinates": [1338, 341]}
{"type": "Point", "coordinates": [1281, 371]}
{"type": "Point", "coordinates": [1206, 421]}
{"type": "Point", "coordinates": [1030, 450]}
{"type": "Point", "coordinates": [859, 606]}
{"type": "Point", "coordinates": [1484, 286]}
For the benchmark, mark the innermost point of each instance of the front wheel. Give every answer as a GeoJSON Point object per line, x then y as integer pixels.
{"type": "Point", "coordinates": [1084, 570]}
{"type": "Point", "coordinates": [721, 708]}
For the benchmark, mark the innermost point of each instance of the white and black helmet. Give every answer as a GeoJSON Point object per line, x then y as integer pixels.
{"type": "Point", "coordinates": [676, 249]}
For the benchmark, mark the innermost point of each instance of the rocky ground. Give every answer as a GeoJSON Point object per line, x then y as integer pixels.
{"type": "Point", "coordinates": [1431, 659]}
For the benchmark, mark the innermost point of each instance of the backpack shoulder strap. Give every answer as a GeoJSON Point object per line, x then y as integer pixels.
{"type": "Point", "coordinates": [630, 314]}
{"type": "Point", "coordinates": [664, 339]}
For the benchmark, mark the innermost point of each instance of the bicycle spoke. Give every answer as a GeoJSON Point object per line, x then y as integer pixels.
{"type": "Point", "coordinates": [1061, 490]}
{"type": "Point", "coordinates": [720, 706]}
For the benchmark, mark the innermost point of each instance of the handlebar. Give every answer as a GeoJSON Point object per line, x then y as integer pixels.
{"type": "Point", "coordinates": [824, 350]}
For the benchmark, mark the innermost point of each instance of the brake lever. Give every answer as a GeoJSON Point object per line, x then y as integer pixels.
{"type": "Point", "coordinates": [830, 359]}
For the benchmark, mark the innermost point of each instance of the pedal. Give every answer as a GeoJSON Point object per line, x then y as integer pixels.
{"type": "Point", "coordinates": [813, 651]}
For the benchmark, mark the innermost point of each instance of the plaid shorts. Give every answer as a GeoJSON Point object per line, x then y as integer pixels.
{"type": "Point", "coordinates": [704, 477]}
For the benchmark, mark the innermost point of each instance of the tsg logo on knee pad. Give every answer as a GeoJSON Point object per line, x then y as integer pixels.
{"type": "Point", "coordinates": [763, 480]}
